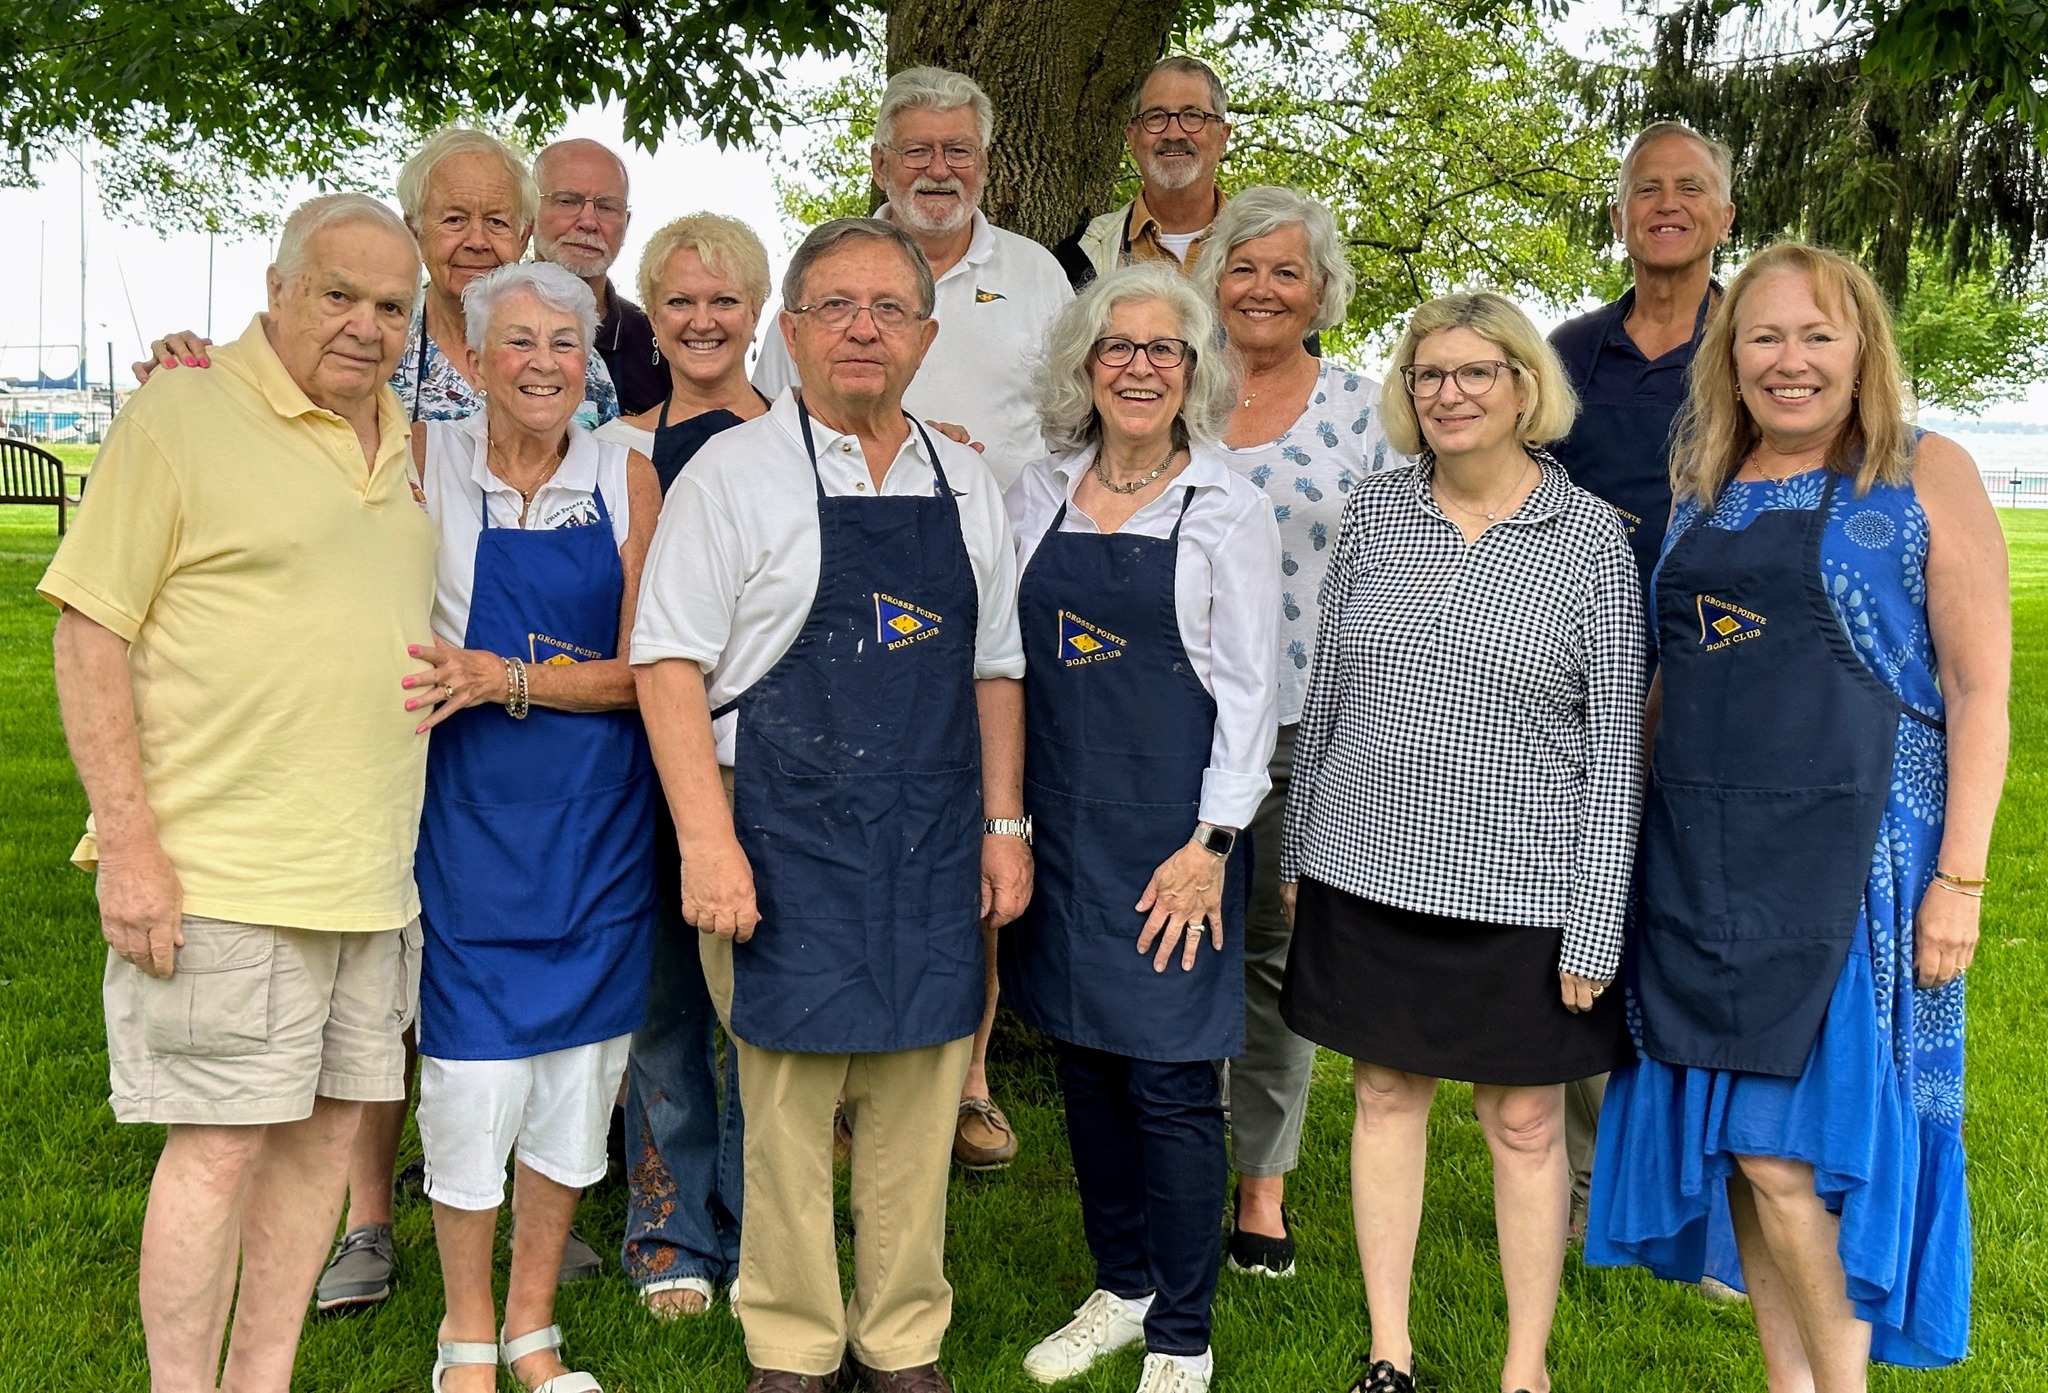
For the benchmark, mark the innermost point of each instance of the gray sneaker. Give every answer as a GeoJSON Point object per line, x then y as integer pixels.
{"type": "Point", "coordinates": [580, 1261]}
{"type": "Point", "coordinates": [359, 1273]}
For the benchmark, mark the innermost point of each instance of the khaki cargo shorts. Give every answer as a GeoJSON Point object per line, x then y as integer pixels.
{"type": "Point", "coordinates": [254, 1022]}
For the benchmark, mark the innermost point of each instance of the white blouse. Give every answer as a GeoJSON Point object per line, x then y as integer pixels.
{"type": "Point", "coordinates": [459, 484]}
{"type": "Point", "coordinates": [1226, 597]}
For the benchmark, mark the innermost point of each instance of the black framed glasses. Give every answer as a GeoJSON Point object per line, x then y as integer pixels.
{"type": "Point", "coordinates": [836, 313]}
{"type": "Point", "coordinates": [922, 156]}
{"type": "Point", "coordinates": [1192, 119]}
{"type": "Point", "coordinates": [570, 202]}
{"type": "Point", "coordinates": [1115, 352]}
{"type": "Point", "coordinates": [1475, 379]}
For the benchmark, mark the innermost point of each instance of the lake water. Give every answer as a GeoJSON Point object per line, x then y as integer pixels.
{"type": "Point", "coordinates": [2014, 465]}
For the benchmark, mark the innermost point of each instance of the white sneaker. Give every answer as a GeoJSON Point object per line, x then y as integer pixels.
{"type": "Point", "coordinates": [1166, 1374]}
{"type": "Point", "coordinates": [1101, 1327]}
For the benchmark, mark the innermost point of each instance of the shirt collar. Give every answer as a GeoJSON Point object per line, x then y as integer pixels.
{"type": "Point", "coordinates": [578, 471]}
{"type": "Point", "coordinates": [981, 243]}
{"type": "Point", "coordinates": [784, 413]}
{"type": "Point", "coordinates": [1545, 502]}
{"type": "Point", "coordinates": [1205, 469]}
{"type": "Point", "coordinates": [289, 400]}
{"type": "Point", "coordinates": [1143, 224]}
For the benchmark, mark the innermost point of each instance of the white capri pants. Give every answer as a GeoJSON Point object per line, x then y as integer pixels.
{"type": "Point", "coordinates": [554, 1110]}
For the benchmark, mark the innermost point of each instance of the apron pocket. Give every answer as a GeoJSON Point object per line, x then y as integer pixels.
{"type": "Point", "coordinates": [216, 1003]}
{"type": "Point", "coordinates": [1726, 863]}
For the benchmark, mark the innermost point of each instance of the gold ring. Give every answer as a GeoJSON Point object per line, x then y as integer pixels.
{"type": "Point", "coordinates": [449, 690]}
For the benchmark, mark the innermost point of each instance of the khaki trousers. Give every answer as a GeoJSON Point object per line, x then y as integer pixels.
{"type": "Point", "coordinates": [903, 1108]}
{"type": "Point", "coordinates": [1582, 1100]}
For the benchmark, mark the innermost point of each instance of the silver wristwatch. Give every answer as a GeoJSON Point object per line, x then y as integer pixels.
{"type": "Point", "coordinates": [1211, 838]}
{"type": "Point", "coordinates": [1008, 827]}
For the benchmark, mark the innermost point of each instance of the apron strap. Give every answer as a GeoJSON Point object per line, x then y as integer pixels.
{"type": "Point", "coordinates": [1182, 515]}
{"type": "Point", "coordinates": [940, 488]}
{"type": "Point", "coordinates": [1621, 308]}
{"type": "Point", "coordinates": [419, 372]}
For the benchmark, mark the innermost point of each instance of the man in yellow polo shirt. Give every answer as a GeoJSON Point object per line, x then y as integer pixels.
{"type": "Point", "coordinates": [238, 595]}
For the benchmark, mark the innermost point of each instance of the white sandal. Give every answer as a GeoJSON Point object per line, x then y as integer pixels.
{"type": "Point", "coordinates": [511, 1351]}
{"type": "Point", "coordinates": [456, 1354]}
{"type": "Point", "coordinates": [700, 1285]}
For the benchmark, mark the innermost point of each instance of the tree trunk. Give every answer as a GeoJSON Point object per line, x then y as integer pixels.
{"type": "Point", "coordinates": [1061, 74]}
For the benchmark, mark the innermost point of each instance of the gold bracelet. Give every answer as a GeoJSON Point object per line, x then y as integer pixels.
{"type": "Point", "coordinates": [521, 702]}
{"type": "Point", "coordinates": [1960, 882]}
{"type": "Point", "coordinates": [1955, 889]}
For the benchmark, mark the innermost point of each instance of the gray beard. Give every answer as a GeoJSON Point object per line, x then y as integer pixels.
{"type": "Point", "coordinates": [575, 262]}
{"type": "Point", "coordinates": [912, 217]}
{"type": "Point", "coordinates": [1171, 176]}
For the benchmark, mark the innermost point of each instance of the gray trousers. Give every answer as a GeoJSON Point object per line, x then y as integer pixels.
{"type": "Point", "coordinates": [1581, 1131]}
{"type": "Point", "coordinates": [1267, 1085]}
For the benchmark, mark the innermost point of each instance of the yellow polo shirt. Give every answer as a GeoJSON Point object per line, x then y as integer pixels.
{"type": "Point", "coordinates": [267, 581]}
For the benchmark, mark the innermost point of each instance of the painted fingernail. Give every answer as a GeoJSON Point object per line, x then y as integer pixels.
{"type": "Point", "coordinates": [191, 362]}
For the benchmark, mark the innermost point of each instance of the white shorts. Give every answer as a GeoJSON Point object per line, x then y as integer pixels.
{"type": "Point", "coordinates": [555, 1109]}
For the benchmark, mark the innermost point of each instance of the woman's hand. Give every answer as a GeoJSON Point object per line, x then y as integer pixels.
{"type": "Point", "coordinates": [1183, 894]}
{"type": "Point", "coordinates": [1289, 893]}
{"type": "Point", "coordinates": [1944, 936]}
{"type": "Point", "coordinates": [1580, 992]}
{"type": "Point", "coordinates": [183, 347]}
{"type": "Point", "coordinates": [456, 677]}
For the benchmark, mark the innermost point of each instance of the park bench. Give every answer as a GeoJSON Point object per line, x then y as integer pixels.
{"type": "Point", "coordinates": [31, 474]}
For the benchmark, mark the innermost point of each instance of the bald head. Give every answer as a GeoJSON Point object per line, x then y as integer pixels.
{"type": "Point", "coordinates": [583, 213]}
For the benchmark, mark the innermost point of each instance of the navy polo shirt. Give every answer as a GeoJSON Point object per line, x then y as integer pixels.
{"type": "Point", "coordinates": [625, 340]}
{"type": "Point", "coordinates": [1621, 375]}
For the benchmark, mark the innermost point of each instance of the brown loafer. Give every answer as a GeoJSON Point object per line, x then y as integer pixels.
{"type": "Point", "coordinates": [924, 1378]}
{"type": "Point", "coordinates": [983, 1140]}
{"type": "Point", "coordinates": [783, 1381]}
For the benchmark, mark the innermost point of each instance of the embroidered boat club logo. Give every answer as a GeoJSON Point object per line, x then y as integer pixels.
{"type": "Point", "coordinates": [988, 297]}
{"type": "Point", "coordinates": [1630, 523]}
{"type": "Point", "coordinates": [554, 652]}
{"type": "Point", "coordinates": [1723, 625]}
{"type": "Point", "coordinates": [899, 623]}
{"type": "Point", "coordinates": [1082, 643]}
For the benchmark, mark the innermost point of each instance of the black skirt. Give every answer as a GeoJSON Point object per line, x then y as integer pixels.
{"type": "Point", "coordinates": [1449, 998]}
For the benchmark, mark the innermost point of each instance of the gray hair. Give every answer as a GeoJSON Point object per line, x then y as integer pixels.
{"type": "Point", "coordinates": [1065, 382]}
{"type": "Point", "coordinates": [1722, 158]}
{"type": "Point", "coordinates": [557, 287]}
{"type": "Point", "coordinates": [316, 215]}
{"type": "Point", "coordinates": [460, 140]}
{"type": "Point", "coordinates": [1264, 209]}
{"type": "Point", "coordinates": [933, 89]}
{"type": "Point", "coordinates": [827, 237]}
{"type": "Point", "coordinates": [1193, 67]}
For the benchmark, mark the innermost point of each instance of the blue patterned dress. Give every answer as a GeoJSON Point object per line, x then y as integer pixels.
{"type": "Point", "coordinates": [1878, 1112]}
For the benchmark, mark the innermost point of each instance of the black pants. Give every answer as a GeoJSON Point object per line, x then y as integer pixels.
{"type": "Point", "coordinates": [1148, 1152]}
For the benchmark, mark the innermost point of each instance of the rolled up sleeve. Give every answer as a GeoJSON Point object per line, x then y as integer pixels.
{"type": "Point", "coordinates": [1244, 653]}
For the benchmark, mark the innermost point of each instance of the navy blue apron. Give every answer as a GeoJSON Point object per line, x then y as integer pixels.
{"type": "Point", "coordinates": [535, 868]}
{"type": "Point", "coordinates": [1622, 451]}
{"type": "Point", "coordinates": [857, 791]}
{"type": "Point", "coordinates": [1772, 767]}
{"type": "Point", "coordinates": [1117, 736]}
{"type": "Point", "coordinates": [676, 445]}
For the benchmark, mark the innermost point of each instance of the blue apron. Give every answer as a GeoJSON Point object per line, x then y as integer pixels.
{"type": "Point", "coordinates": [676, 445]}
{"type": "Point", "coordinates": [1772, 768]}
{"type": "Point", "coordinates": [857, 791]}
{"type": "Point", "coordinates": [1118, 730]}
{"type": "Point", "coordinates": [1621, 451]}
{"type": "Point", "coordinates": [535, 864]}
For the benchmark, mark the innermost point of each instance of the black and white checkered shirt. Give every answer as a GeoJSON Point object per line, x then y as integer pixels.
{"type": "Point", "coordinates": [1471, 741]}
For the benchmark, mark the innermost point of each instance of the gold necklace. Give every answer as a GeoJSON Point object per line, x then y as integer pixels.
{"type": "Point", "coordinates": [1102, 476]}
{"type": "Point", "coordinates": [1492, 514]}
{"type": "Point", "coordinates": [1798, 468]}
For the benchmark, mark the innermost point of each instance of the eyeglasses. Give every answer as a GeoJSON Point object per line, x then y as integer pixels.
{"type": "Point", "coordinates": [1474, 379]}
{"type": "Point", "coordinates": [1192, 119]}
{"type": "Point", "coordinates": [1160, 353]}
{"type": "Point", "coordinates": [836, 313]}
{"type": "Point", "coordinates": [921, 156]}
{"type": "Point", "coordinates": [572, 203]}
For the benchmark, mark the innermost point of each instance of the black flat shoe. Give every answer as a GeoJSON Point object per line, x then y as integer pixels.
{"type": "Point", "coordinates": [1258, 1254]}
{"type": "Point", "coordinates": [1381, 1376]}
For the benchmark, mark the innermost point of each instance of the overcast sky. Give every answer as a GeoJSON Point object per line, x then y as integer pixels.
{"type": "Point", "coordinates": [140, 284]}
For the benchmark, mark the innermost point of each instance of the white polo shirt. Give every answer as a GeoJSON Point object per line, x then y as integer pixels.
{"type": "Point", "coordinates": [459, 484]}
{"type": "Point", "coordinates": [1226, 600]}
{"type": "Point", "coordinates": [995, 306]}
{"type": "Point", "coordinates": [733, 569]}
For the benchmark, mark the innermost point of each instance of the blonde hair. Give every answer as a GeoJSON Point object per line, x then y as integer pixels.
{"type": "Point", "coordinates": [1715, 432]}
{"type": "Point", "coordinates": [1065, 380]}
{"type": "Point", "coordinates": [1550, 406]}
{"type": "Point", "coordinates": [727, 247]}
{"type": "Point", "coordinates": [450, 141]}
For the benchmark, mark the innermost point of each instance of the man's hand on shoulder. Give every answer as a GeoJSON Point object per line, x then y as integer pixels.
{"type": "Point", "coordinates": [142, 909]}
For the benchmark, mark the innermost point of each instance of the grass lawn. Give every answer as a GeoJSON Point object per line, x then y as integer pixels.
{"type": "Point", "coordinates": [74, 1183]}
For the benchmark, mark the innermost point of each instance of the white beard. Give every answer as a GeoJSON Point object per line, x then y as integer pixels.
{"type": "Point", "coordinates": [917, 220]}
{"type": "Point", "coordinates": [575, 260]}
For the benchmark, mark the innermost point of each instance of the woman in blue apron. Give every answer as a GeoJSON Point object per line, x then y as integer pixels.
{"type": "Point", "coordinates": [1149, 605]}
{"type": "Point", "coordinates": [535, 867]}
{"type": "Point", "coordinates": [1832, 635]}
{"type": "Point", "coordinates": [704, 279]}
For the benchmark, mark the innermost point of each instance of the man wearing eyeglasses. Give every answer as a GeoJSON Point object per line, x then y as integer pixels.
{"type": "Point", "coordinates": [827, 634]}
{"type": "Point", "coordinates": [581, 226]}
{"type": "Point", "coordinates": [1178, 130]}
{"type": "Point", "coordinates": [997, 292]}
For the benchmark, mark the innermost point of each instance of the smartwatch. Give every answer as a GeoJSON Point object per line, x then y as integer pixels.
{"type": "Point", "coordinates": [1211, 838]}
{"type": "Point", "coordinates": [1007, 827]}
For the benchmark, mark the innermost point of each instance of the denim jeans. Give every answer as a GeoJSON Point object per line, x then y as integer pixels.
{"type": "Point", "coordinates": [684, 1125]}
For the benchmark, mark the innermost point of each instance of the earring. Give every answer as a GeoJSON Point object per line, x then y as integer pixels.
{"type": "Point", "coordinates": [657, 355]}
{"type": "Point", "coordinates": [1855, 389]}
{"type": "Point", "coordinates": [1738, 391]}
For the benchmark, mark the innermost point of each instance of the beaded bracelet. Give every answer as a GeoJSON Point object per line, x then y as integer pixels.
{"type": "Point", "coordinates": [520, 703]}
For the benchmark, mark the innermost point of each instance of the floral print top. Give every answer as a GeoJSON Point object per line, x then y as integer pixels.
{"type": "Point", "coordinates": [431, 389]}
{"type": "Point", "coordinates": [1307, 473]}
